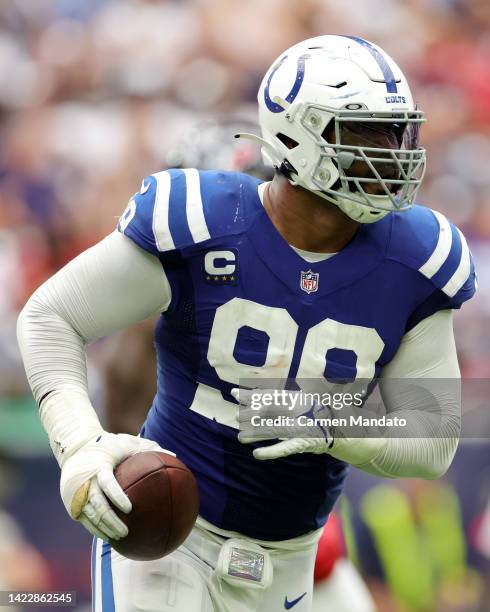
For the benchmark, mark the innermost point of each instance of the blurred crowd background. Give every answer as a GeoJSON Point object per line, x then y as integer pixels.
{"type": "Point", "coordinates": [96, 94]}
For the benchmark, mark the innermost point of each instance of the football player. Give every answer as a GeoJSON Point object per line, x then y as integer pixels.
{"type": "Point", "coordinates": [209, 145]}
{"type": "Point", "coordinates": [329, 271]}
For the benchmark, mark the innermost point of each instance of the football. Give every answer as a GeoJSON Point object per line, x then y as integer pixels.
{"type": "Point", "coordinates": [165, 499]}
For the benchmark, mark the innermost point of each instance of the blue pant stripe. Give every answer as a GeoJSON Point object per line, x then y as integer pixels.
{"type": "Point", "coordinates": [92, 572]}
{"type": "Point", "coordinates": [106, 579]}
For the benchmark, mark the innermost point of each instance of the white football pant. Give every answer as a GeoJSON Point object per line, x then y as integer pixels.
{"type": "Point", "coordinates": [343, 591]}
{"type": "Point", "coordinates": [210, 572]}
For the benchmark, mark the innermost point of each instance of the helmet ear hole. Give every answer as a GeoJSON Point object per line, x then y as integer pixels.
{"type": "Point", "coordinates": [287, 169]}
{"type": "Point", "coordinates": [289, 142]}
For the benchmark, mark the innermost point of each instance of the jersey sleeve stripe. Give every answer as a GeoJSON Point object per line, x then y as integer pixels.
{"type": "Point", "coordinates": [177, 216]}
{"type": "Point", "coordinates": [194, 206]}
{"type": "Point", "coordinates": [462, 272]}
{"type": "Point", "coordinates": [161, 230]}
{"type": "Point", "coordinates": [443, 247]}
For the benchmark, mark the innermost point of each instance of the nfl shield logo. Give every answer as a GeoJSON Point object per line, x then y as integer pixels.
{"type": "Point", "coordinates": [309, 281]}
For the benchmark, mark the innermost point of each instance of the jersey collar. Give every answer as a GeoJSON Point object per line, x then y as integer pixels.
{"type": "Point", "coordinates": [361, 256]}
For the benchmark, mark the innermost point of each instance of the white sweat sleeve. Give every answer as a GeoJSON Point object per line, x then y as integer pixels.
{"type": "Point", "coordinates": [432, 408]}
{"type": "Point", "coordinates": [106, 288]}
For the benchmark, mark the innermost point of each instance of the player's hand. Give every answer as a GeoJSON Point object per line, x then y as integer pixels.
{"type": "Point", "coordinates": [357, 451]}
{"type": "Point", "coordinates": [285, 403]}
{"type": "Point", "coordinates": [88, 482]}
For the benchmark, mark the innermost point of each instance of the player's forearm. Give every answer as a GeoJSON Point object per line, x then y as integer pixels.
{"type": "Point", "coordinates": [425, 451]}
{"type": "Point", "coordinates": [54, 358]}
{"type": "Point", "coordinates": [96, 294]}
{"type": "Point", "coordinates": [52, 350]}
{"type": "Point", "coordinates": [430, 440]}
{"type": "Point", "coordinates": [422, 386]}
{"type": "Point", "coordinates": [426, 458]}
{"type": "Point", "coordinates": [431, 409]}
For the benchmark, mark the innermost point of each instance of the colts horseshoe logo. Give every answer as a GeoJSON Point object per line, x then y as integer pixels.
{"type": "Point", "coordinates": [300, 75]}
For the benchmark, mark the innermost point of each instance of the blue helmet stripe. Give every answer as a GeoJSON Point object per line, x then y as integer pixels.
{"type": "Point", "coordinates": [388, 75]}
{"type": "Point", "coordinates": [300, 75]}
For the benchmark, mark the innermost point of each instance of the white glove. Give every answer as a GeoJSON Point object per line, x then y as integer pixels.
{"type": "Point", "coordinates": [87, 482]}
{"type": "Point", "coordinates": [357, 451]}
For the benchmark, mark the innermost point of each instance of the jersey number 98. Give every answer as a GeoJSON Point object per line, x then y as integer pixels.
{"type": "Point", "coordinates": [282, 332]}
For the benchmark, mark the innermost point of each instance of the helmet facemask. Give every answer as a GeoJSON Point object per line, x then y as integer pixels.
{"type": "Point", "coordinates": [368, 159]}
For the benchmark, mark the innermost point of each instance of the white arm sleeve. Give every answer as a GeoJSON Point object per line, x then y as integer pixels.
{"type": "Point", "coordinates": [106, 288]}
{"type": "Point", "coordinates": [433, 418]}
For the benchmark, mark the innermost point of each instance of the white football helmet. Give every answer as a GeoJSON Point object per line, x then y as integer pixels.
{"type": "Point", "coordinates": [338, 118]}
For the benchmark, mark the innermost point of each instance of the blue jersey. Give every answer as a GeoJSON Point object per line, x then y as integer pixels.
{"type": "Point", "coordinates": [245, 305]}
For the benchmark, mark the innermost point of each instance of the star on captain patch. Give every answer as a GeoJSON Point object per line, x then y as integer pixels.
{"type": "Point", "coordinates": [220, 267]}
